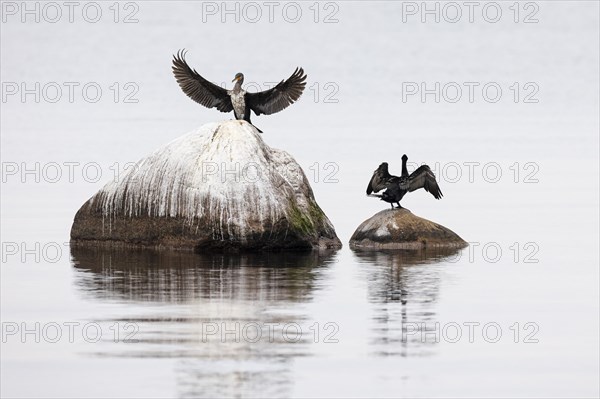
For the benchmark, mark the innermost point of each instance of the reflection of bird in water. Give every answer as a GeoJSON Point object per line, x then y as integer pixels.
{"type": "Point", "coordinates": [237, 100]}
{"type": "Point", "coordinates": [188, 292]}
{"type": "Point", "coordinates": [403, 287]}
{"type": "Point", "coordinates": [396, 187]}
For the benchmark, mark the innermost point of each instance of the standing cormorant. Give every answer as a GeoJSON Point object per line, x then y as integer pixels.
{"type": "Point", "coordinates": [396, 187]}
{"type": "Point", "coordinates": [237, 100]}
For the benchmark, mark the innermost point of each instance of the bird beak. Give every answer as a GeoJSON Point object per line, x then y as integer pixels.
{"type": "Point", "coordinates": [234, 79]}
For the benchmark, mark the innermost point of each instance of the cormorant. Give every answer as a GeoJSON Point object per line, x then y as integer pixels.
{"type": "Point", "coordinates": [396, 187]}
{"type": "Point", "coordinates": [237, 100]}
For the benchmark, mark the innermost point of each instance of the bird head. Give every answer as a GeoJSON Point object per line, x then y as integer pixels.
{"type": "Point", "coordinates": [239, 77]}
{"type": "Point", "coordinates": [404, 157]}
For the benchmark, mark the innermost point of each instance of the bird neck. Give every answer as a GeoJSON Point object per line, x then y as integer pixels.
{"type": "Point", "coordinates": [404, 168]}
{"type": "Point", "coordinates": [238, 86]}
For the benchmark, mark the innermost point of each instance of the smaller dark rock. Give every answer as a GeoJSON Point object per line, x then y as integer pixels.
{"type": "Point", "coordinates": [400, 229]}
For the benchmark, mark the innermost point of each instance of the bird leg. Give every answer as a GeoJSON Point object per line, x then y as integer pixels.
{"type": "Point", "coordinates": [399, 206]}
{"type": "Point", "coordinates": [392, 205]}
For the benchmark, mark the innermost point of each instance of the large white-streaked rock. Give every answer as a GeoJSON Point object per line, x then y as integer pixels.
{"type": "Point", "coordinates": [219, 187]}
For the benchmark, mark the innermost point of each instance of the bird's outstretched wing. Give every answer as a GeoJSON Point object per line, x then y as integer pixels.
{"type": "Point", "coordinates": [279, 97]}
{"type": "Point", "coordinates": [199, 89]}
{"type": "Point", "coordinates": [423, 177]}
{"type": "Point", "coordinates": [380, 179]}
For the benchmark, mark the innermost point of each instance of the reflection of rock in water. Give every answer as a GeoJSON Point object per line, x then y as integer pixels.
{"type": "Point", "coordinates": [146, 275]}
{"type": "Point", "coordinates": [269, 378]}
{"type": "Point", "coordinates": [207, 312]}
{"type": "Point", "coordinates": [404, 285]}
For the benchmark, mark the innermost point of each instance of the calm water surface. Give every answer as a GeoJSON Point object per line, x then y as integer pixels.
{"type": "Point", "coordinates": [351, 323]}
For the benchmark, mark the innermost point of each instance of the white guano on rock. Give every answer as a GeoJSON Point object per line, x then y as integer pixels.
{"type": "Point", "coordinates": [219, 186]}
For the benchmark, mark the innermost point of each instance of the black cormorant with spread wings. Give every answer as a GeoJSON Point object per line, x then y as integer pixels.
{"type": "Point", "coordinates": [237, 100]}
{"type": "Point", "coordinates": [396, 187]}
